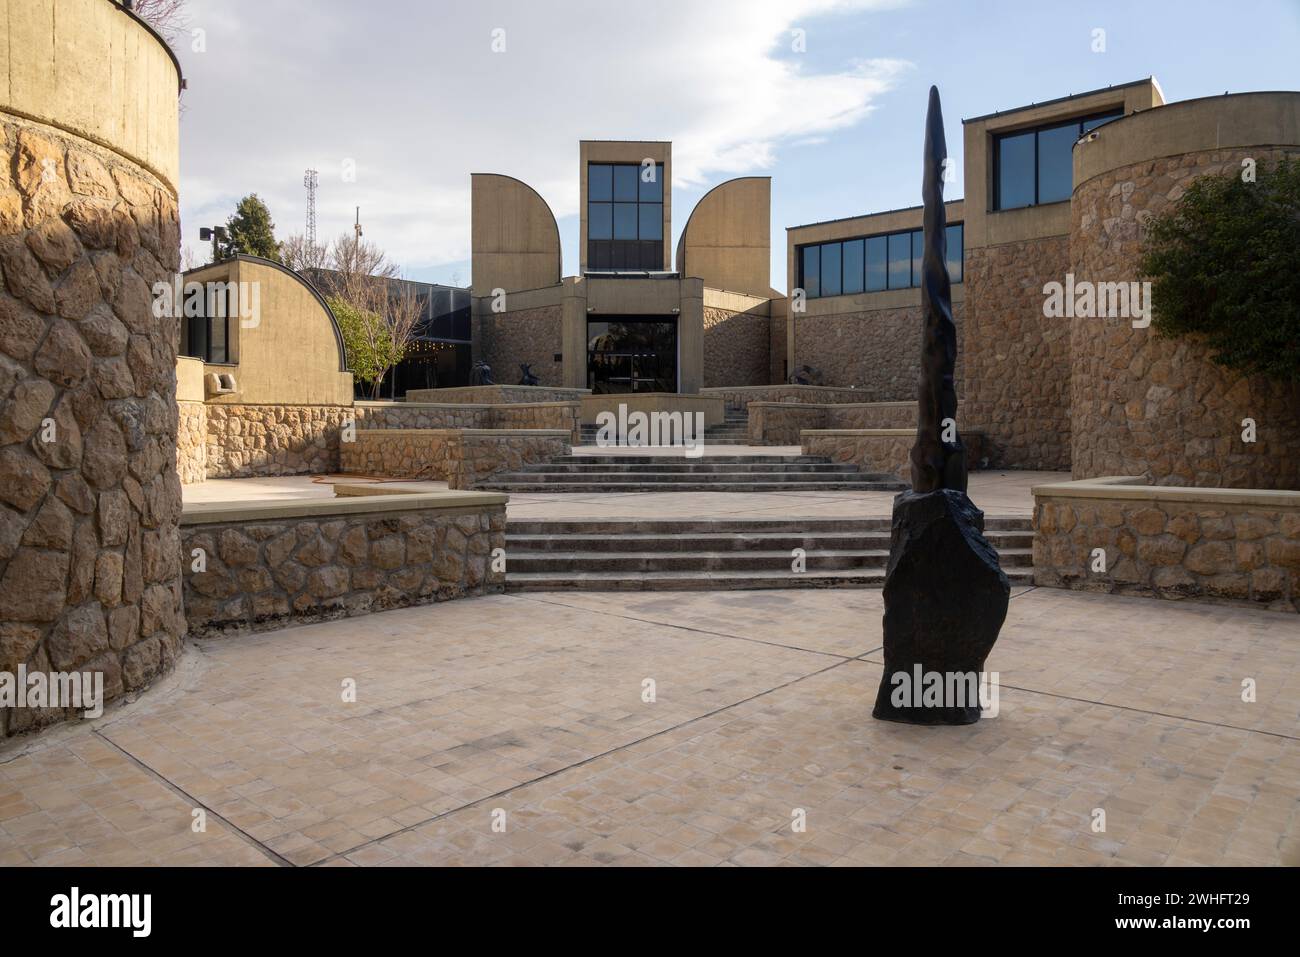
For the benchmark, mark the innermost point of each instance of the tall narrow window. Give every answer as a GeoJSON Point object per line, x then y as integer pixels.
{"type": "Point", "coordinates": [853, 252]}
{"type": "Point", "coordinates": [812, 284]}
{"type": "Point", "coordinates": [625, 216]}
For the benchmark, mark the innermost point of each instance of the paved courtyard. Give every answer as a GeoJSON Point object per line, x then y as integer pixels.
{"type": "Point", "coordinates": [528, 712]}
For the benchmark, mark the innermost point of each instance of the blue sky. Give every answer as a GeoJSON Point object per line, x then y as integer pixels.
{"type": "Point", "coordinates": [838, 127]}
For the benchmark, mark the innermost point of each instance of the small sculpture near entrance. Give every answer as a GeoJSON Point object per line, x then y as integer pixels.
{"type": "Point", "coordinates": [526, 373]}
{"type": "Point", "coordinates": [945, 593]}
{"type": "Point", "coordinates": [481, 374]}
{"type": "Point", "coordinates": [806, 375]}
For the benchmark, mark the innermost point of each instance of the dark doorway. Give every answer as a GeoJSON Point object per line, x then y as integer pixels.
{"type": "Point", "coordinates": [632, 354]}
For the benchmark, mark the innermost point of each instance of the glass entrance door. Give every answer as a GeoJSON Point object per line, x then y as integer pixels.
{"type": "Point", "coordinates": [632, 354]}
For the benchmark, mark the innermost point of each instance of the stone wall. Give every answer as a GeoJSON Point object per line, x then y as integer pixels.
{"type": "Point", "coordinates": [460, 457]}
{"type": "Point", "coordinates": [192, 442]}
{"type": "Point", "coordinates": [737, 348]}
{"type": "Point", "coordinates": [877, 351]}
{"type": "Point", "coordinates": [89, 495]}
{"type": "Point", "coordinates": [514, 415]}
{"type": "Point", "coordinates": [1013, 372]}
{"type": "Point", "coordinates": [365, 556]}
{"type": "Point", "coordinates": [495, 394]}
{"type": "Point", "coordinates": [1144, 405]}
{"type": "Point", "coordinates": [534, 336]}
{"type": "Point", "coordinates": [739, 397]}
{"type": "Point", "coordinates": [252, 441]}
{"type": "Point", "coordinates": [1169, 542]}
{"type": "Point", "coordinates": [779, 423]}
{"type": "Point", "coordinates": [879, 451]}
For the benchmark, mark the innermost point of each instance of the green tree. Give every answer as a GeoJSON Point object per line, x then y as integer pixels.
{"type": "Point", "coordinates": [251, 231]}
{"type": "Point", "coordinates": [1224, 265]}
{"type": "Point", "coordinates": [368, 341]}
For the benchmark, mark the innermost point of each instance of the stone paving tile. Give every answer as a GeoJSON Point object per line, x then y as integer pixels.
{"type": "Point", "coordinates": [454, 703]}
{"type": "Point", "coordinates": [81, 801]}
{"type": "Point", "coordinates": [844, 622]}
{"type": "Point", "coordinates": [1180, 658]}
{"type": "Point", "coordinates": [1020, 788]}
{"type": "Point", "coordinates": [532, 705]}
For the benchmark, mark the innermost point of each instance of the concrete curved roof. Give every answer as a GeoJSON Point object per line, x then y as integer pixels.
{"type": "Point", "coordinates": [515, 250]}
{"type": "Point", "coordinates": [738, 223]}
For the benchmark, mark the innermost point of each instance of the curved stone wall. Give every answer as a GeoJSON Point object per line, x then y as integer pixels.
{"type": "Point", "coordinates": [1159, 407]}
{"type": "Point", "coordinates": [90, 575]}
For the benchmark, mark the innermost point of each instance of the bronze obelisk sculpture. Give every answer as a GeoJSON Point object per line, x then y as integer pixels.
{"type": "Point", "coordinates": [945, 594]}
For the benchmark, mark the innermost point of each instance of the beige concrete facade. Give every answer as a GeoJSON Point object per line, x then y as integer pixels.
{"type": "Point", "coordinates": [514, 241]}
{"type": "Point", "coordinates": [728, 237]}
{"type": "Point", "coordinates": [290, 352]}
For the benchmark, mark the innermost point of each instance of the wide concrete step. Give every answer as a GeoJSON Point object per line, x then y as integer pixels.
{"type": "Point", "coordinates": [625, 527]}
{"type": "Point", "coordinates": [688, 466]}
{"type": "Point", "coordinates": [500, 485]}
{"type": "Point", "coordinates": [744, 541]}
{"type": "Point", "coordinates": [649, 458]}
{"type": "Point", "coordinates": [636, 477]}
{"type": "Point", "coordinates": [709, 581]}
{"type": "Point", "coordinates": [815, 560]}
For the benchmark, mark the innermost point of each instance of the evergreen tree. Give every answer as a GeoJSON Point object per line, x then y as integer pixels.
{"type": "Point", "coordinates": [251, 231]}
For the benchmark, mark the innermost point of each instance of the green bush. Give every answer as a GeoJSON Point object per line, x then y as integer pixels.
{"type": "Point", "coordinates": [368, 341]}
{"type": "Point", "coordinates": [1224, 265]}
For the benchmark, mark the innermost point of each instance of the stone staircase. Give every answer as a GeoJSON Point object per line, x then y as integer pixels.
{"type": "Point", "coordinates": [733, 431]}
{"type": "Point", "coordinates": [675, 473]}
{"type": "Point", "coordinates": [718, 554]}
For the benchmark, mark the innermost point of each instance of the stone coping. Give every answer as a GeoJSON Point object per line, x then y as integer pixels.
{"type": "Point", "coordinates": [1135, 488]}
{"type": "Point", "coordinates": [494, 433]}
{"type": "Point", "coordinates": [783, 385]}
{"type": "Point", "coordinates": [216, 513]}
{"type": "Point", "coordinates": [558, 403]}
{"type": "Point", "coordinates": [869, 432]}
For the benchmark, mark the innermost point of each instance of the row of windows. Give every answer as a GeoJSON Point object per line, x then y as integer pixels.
{"type": "Point", "coordinates": [871, 264]}
{"type": "Point", "coordinates": [1036, 166]}
{"type": "Point", "coordinates": [625, 201]}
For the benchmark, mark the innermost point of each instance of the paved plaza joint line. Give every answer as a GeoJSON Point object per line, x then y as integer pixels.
{"type": "Point", "coordinates": [517, 730]}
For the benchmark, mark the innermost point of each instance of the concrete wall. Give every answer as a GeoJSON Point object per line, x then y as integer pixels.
{"type": "Point", "coordinates": [514, 241]}
{"type": "Point", "coordinates": [727, 240]}
{"type": "Point", "coordinates": [1140, 404]}
{"type": "Point", "coordinates": [291, 352]}
{"type": "Point", "coordinates": [90, 570]}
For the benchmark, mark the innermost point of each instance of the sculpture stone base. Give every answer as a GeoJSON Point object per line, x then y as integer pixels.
{"type": "Point", "coordinates": [945, 600]}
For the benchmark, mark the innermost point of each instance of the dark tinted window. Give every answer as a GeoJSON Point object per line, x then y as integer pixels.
{"type": "Point", "coordinates": [627, 233]}
{"type": "Point", "coordinates": [625, 183]}
{"type": "Point", "coordinates": [600, 183]}
{"type": "Point", "coordinates": [831, 269]}
{"type": "Point", "coordinates": [877, 260]}
{"type": "Point", "coordinates": [625, 221]}
{"type": "Point", "coordinates": [900, 260]}
{"type": "Point", "coordinates": [852, 266]}
{"type": "Point", "coordinates": [1036, 166]}
{"type": "Point", "coordinates": [1055, 162]}
{"type": "Point", "coordinates": [852, 271]}
{"type": "Point", "coordinates": [1015, 159]}
{"type": "Point", "coordinates": [812, 286]}
{"type": "Point", "coordinates": [600, 220]}
{"type": "Point", "coordinates": [955, 243]}
{"type": "Point", "coordinates": [652, 186]}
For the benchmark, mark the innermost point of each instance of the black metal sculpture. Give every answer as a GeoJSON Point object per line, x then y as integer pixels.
{"type": "Point", "coordinates": [526, 374]}
{"type": "Point", "coordinates": [806, 375]}
{"type": "Point", "coordinates": [945, 593]}
{"type": "Point", "coordinates": [481, 374]}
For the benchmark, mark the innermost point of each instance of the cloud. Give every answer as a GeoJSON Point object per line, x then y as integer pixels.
{"type": "Point", "coordinates": [413, 94]}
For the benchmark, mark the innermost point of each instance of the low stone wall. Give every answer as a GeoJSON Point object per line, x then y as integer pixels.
{"type": "Point", "coordinates": [451, 415]}
{"type": "Point", "coordinates": [1173, 542]}
{"type": "Point", "coordinates": [254, 441]}
{"type": "Point", "coordinates": [192, 442]}
{"type": "Point", "coordinates": [779, 423]}
{"type": "Point", "coordinates": [738, 397]}
{"type": "Point", "coordinates": [496, 394]}
{"type": "Point", "coordinates": [880, 451]}
{"type": "Point", "coordinates": [460, 457]}
{"type": "Point", "coordinates": [269, 564]}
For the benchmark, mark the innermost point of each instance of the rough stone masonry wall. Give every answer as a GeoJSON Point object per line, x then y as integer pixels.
{"type": "Point", "coordinates": [253, 441]}
{"type": "Point", "coordinates": [1170, 549]}
{"type": "Point", "coordinates": [879, 454]}
{"type": "Point", "coordinates": [534, 336]}
{"type": "Point", "coordinates": [192, 442]}
{"type": "Point", "coordinates": [877, 351]}
{"type": "Point", "coordinates": [779, 423]}
{"type": "Point", "coordinates": [495, 394]}
{"type": "Point", "coordinates": [263, 575]}
{"type": "Point", "coordinates": [89, 496]}
{"type": "Point", "coordinates": [1013, 375]}
{"type": "Point", "coordinates": [462, 459]}
{"type": "Point", "coordinates": [739, 397]}
{"type": "Point", "coordinates": [737, 350]}
{"type": "Point", "coordinates": [1160, 407]}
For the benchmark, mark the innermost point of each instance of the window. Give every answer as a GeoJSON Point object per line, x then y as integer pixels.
{"type": "Point", "coordinates": [207, 336]}
{"type": "Point", "coordinates": [872, 263]}
{"type": "Point", "coordinates": [625, 216]}
{"type": "Point", "coordinates": [1033, 167]}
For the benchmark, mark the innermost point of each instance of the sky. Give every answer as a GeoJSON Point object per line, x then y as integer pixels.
{"type": "Point", "coordinates": [397, 102]}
